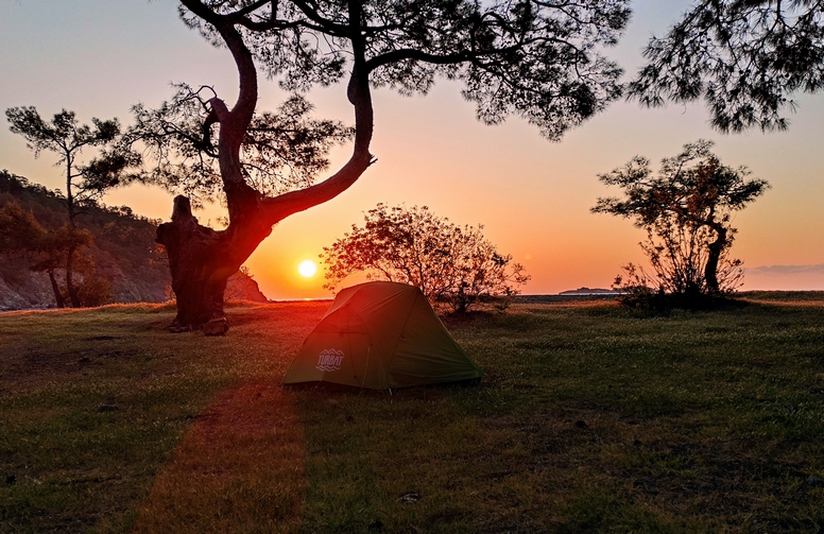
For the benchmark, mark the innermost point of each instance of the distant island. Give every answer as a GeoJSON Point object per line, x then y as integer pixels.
{"type": "Point", "coordinates": [589, 291]}
{"type": "Point", "coordinates": [580, 294]}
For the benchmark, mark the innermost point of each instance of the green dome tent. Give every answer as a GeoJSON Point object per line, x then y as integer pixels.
{"type": "Point", "coordinates": [381, 335]}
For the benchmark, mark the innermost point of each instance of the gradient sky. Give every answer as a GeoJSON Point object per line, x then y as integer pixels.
{"type": "Point", "coordinates": [99, 57]}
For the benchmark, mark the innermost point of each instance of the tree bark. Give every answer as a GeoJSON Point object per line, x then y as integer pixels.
{"type": "Point", "coordinates": [74, 298]}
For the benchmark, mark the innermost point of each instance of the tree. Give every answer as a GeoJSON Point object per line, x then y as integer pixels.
{"type": "Point", "coordinates": [21, 233]}
{"type": "Point", "coordinates": [84, 183]}
{"type": "Point", "coordinates": [538, 59]}
{"type": "Point", "coordinates": [686, 211]}
{"type": "Point", "coordinates": [745, 58]}
{"type": "Point", "coordinates": [452, 265]}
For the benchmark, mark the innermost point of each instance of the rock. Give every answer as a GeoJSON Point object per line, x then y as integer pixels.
{"type": "Point", "coordinates": [241, 286]}
{"type": "Point", "coordinates": [216, 327]}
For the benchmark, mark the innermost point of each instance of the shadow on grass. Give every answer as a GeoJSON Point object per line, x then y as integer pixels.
{"type": "Point", "coordinates": [239, 469]}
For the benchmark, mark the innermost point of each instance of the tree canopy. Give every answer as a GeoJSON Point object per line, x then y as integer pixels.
{"type": "Point", "coordinates": [744, 58]}
{"type": "Point", "coordinates": [539, 59]}
{"type": "Point", "coordinates": [67, 138]}
{"type": "Point", "coordinates": [281, 151]}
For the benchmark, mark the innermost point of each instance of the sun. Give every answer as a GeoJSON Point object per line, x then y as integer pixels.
{"type": "Point", "coordinates": [307, 268]}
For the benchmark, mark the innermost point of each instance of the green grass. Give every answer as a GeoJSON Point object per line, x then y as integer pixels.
{"type": "Point", "coordinates": [589, 419]}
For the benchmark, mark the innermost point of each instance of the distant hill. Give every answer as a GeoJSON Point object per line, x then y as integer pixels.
{"type": "Point", "coordinates": [123, 253]}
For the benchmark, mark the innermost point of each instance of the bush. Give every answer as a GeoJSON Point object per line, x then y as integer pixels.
{"type": "Point", "coordinates": [642, 298]}
{"type": "Point", "coordinates": [453, 266]}
{"type": "Point", "coordinates": [95, 291]}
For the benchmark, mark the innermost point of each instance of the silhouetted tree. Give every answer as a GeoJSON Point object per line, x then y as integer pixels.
{"type": "Point", "coordinates": [745, 58]}
{"type": "Point", "coordinates": [533, 58]}
{"type": "Point", "coordinates": [452, 265]}
{"type": "Point", "coordinates": [686, 211]}
{"type": "Point", "coordinates": [84, 183]}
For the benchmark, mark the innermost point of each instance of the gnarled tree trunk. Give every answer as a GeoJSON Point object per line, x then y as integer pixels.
{"type": "Point", "coordinates": [201, 259]}
{"type": "Point", "coordinates": [199, 270]}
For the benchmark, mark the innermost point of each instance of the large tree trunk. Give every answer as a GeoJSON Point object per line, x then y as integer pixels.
{"type": "Point", "coordinates": [74, 298]}
{"type": "Point", "coordinates": [201, 260]}
{"type": "Point", "coordinates": [198, 279]}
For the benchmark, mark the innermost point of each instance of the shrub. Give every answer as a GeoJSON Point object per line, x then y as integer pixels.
{"type": "Point", "coordinates": [452, 265]}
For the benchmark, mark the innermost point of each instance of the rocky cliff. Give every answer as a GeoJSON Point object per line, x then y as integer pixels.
{"type": "Point", "coordinates": [121, 263]}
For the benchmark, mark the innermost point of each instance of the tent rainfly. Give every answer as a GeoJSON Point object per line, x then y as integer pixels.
{"type": "Point", "coordinates": [381, 335]}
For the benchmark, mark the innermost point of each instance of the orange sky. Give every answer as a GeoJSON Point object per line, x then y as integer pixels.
{"type": "Point", "coordinates": [532, 196]}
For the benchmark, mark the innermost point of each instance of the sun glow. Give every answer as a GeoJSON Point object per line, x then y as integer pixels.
{"type": "Point", "coordinates": [307, 268]}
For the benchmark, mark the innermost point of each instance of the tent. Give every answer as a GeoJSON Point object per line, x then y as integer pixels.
{"type": "Point", "coordinates": [381, 335]}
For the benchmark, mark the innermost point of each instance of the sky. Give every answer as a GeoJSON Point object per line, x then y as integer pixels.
{"type": "Point", "coordinates": [532, 196]}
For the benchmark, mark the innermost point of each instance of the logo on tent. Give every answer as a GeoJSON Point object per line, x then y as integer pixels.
{"type": "Point", "coordinates": [329, 360]}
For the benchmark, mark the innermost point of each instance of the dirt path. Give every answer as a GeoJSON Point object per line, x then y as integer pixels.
{"type": "Point", "coordinates": [239, 469]}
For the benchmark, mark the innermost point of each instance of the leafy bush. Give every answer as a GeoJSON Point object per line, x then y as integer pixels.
{"type": "Point", "coordinates": [95, 291]}
{"type": "Point", "coordinates": [452, 265]}
{"type": "Point", "coordinates": [637, 293]}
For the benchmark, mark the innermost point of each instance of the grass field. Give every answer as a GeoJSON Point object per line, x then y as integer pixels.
{"type": "Point", "coordinates": [589, 419]}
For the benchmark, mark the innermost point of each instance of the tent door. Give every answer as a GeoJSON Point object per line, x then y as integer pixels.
{"type": "Point", "coordinates": [358, 350]}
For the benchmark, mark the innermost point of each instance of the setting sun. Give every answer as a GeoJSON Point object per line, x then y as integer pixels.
{"type": "Point", "coordinates": [307, 268]}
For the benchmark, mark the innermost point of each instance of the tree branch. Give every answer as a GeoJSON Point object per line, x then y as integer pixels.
{"type": "Point", "coordinates": [411, 53]}
{"type": "Point", "coordinates": [233, 123]}
{"type": "Point", "coordinates": [359, 94]}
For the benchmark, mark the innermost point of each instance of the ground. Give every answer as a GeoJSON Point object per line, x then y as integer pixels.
{"type": "Point", "coordinates": [590, 418]}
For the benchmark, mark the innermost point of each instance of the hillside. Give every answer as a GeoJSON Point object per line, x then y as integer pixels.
{"type": "Point", "coordinates": [123, 261]}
